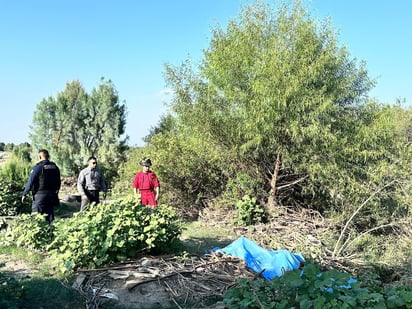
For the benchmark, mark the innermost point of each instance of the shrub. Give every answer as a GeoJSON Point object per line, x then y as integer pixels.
{"type": "Point", "coordinates": [29, 231]}
{"type": "Point", "coordinates": [112, 232]}
{"type": "Point", "coordinates": [16, 169]}
{"type": "Point", "coordinates": [249, 212]}
{"type": "Point", "coordinates": [10, 196]}
{"type": "Point", "coordinates": [311, 288]}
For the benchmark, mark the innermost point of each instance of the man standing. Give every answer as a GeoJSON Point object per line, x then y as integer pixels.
{"type": "Point", "coordinates": [146, 184]}
{"type": "Point", "coordinates": [90, 183]}
{"type": "Point", "coordinates": [44, 183]}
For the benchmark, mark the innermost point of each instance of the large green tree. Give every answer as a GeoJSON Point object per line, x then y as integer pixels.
{"type": "Point", "coordinates": [76, 125]}
{"type": "Point", "coordinates": [281, 101]}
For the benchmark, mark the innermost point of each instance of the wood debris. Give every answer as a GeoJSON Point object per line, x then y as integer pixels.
{"type": "Point", "coordinates": [190, 280]}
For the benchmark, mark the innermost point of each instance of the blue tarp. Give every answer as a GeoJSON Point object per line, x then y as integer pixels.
{"type": "Point", "coordinates": [273, 263]}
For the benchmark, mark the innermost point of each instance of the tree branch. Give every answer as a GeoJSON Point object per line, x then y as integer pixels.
{"type": "Point", "coordinates": [354, 214]}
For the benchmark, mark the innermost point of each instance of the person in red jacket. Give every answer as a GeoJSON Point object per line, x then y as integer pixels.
{"type": "Point", "coordinates": [146, 184]}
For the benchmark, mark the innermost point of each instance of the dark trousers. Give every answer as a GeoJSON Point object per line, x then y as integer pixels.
{"type": "Point", "coordinates": [92, 196]}
{"type": "Point", "coordinates": [44, 203]}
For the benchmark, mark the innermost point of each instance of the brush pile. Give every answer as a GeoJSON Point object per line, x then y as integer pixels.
{"type": "Point", "coordinates": [182, 282]}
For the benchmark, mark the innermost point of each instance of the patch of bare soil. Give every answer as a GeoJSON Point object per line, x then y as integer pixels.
{"type": "Point", "coordinates": [17, 268]}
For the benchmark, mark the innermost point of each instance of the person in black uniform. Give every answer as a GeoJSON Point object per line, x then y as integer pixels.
{"type": "Point", "coordinates": [90, 182]}
{"type": "Point", "coordinates": [44, 183]}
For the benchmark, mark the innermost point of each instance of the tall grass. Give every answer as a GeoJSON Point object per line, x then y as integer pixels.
{"type": "Point", "coordinates": [15, 169]}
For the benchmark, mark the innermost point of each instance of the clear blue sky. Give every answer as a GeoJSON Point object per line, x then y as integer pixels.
{"type": "Point", "coordinates": [46, 43]}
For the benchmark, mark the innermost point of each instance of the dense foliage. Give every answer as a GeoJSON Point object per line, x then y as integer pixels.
{"type": "Point", "coordinates": [76, 125]}
{"type": "Point", "coordinates": [113, 233]}
{"type": "Point", "coordinates": [13, 176]}
{"type": "Point", "coordinates": [29, 231]}
{"type": "Point", "coordinates": [267, 96]}
{"type": "Point", "coordinates": [102, 234]}
{"type": "Point", "coordinates": [10, 198]}
{"type": "Point", "coordinates": [278, 111]}
{"type": "Point", "coordinates": [311, 288]}
{"type": "Point", "coordinates": [17, 166]}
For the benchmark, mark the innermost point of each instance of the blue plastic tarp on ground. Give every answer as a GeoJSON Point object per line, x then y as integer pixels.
{"type": "Point", "coordinates": [273, 263]}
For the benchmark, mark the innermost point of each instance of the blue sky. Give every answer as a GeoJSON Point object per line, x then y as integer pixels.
{"type": "Point", "coordinates": [47, 43]}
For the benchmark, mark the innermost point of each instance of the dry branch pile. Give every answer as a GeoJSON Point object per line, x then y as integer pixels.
{"type": "Point", "coordinates": [179, 281]}
{"type": "Point", "coordinates": [297, 230]}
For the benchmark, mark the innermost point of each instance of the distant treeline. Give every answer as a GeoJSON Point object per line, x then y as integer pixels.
{"type": "Point", "coordinates": [11, 146]}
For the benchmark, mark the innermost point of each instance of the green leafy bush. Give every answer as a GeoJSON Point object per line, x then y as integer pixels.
{"type": "Point", "coordinates": [10, 196]}
{"type": "Point", "coordinates": [398, 297]}
{"type": "Point", "coordinates": [103, 233]}
{"type": "Point", "coordinates": [249, 212]}
{"type": "Point", "coordinates": [29, 231]}
{"type": "Point", "coordinates": [311, 288]}
{"type": "Point", "coordinates": [112, 232]}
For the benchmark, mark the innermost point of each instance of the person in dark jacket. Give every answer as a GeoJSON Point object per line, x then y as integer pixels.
{"type": "Point", "coordinates": [90, 183]}
{"type": "Point", "coordinates": [44, 182]}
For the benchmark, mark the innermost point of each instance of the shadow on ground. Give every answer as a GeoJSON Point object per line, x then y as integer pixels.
{"type": "Point", "coordinates": [203, 245]}
{"type": "Point", "coordinates": [66, 209]}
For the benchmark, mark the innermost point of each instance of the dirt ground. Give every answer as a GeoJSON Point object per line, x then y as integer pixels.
{"type": "Point", "coordinates": [17, 267]}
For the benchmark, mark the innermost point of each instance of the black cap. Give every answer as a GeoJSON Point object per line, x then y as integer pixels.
{"type": "Point", "coordinates": [145, 162]}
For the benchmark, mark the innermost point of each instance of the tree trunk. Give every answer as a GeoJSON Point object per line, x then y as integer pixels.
{"type": "Point", "coordinates": [272, 194]}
